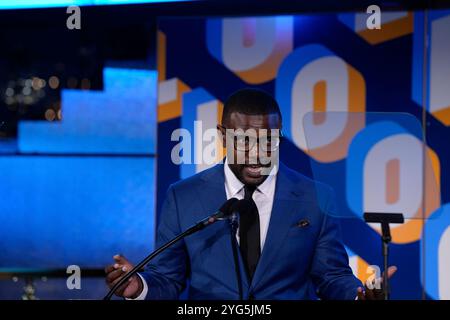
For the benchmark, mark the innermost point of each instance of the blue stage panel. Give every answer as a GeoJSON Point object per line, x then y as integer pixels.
{"type": "Point", "coordinates": [58, 211]}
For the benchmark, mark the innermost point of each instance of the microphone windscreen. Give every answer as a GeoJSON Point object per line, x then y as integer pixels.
{"type": "Point", "coordinates": [244, 206]}
{"type": "Point", "coordinates": [227, 207]}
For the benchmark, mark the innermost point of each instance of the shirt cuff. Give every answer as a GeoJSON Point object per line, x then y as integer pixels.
{"type": "Point", "coordinates": [144, 290]}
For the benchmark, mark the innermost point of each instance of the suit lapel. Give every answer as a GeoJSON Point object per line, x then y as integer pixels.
{"type": "Point", "coordinates": [286, 199]}
{"type": "Point", "coordinates": [211, 196]}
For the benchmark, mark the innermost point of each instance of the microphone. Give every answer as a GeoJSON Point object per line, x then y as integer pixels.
{"type": "Point", "coordinates": [223, 213]}
{"type": "Point", "coordinates": [241, 207]}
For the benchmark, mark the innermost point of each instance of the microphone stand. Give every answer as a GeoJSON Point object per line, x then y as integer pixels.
{"type": "Point", "coordinates": [197, 227]}
{"type": "Point", "coordinates": [386, 239]}
{"type": "Point", "coordinates": [384, 219]}
{"type": "Point", "coordinates": [234, 226]}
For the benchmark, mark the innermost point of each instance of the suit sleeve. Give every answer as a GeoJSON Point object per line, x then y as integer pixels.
{"type": "Point", "coordinates": [166, 275]}
{"type": "Point", "coordinates": [330, 270]}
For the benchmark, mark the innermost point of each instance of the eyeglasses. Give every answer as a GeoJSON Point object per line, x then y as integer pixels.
{"type": "Point", "coordinates": [246, 140]}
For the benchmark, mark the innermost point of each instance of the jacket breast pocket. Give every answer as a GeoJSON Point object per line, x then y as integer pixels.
{"type": "Point", "coordinates": [302, 235]}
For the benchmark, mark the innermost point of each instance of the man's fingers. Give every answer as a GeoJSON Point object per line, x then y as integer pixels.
{"type": "Point", "coordinates": [134, 279]}
{"type": "Point", "coordinates": [391, 270]}
{"type": "Point", "coordinates": [122, 287]}
{"type": "Point", "coordinates": [378, 294]}
{"type": "Point", "coordinates": [112, 276]}
{"type": "Point", "coordinates": [117, 278]}
{"type": "Point", "coordinates": [120, 259]}
{"type": "Point", "coordinates": [369, 295]}
{"type": "Point", "coordinates": [109, 268]}
{"type": "Point", "coordinates": [120, 291]}
{"type": "Point", "coordinates": [116, 271]}
{"type": "Point", "coordinates": [361, 294]}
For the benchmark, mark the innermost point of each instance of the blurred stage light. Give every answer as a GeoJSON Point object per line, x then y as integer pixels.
{"type": "Point", "coordinates": [26, 91]}
{"type": "Point", "coordinates": [53, 82]}
{"type": "Point", "coordinates": [9, 92]}
{"type": "Point", "coordinates": [50, 115]}
{"type": "Point", "coordinates": [30, 4]}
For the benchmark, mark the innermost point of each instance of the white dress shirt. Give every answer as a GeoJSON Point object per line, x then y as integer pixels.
{"type": "Point", "coordinates": [234, 188]}
{"type": "Point", "coordinates": [263, 197]}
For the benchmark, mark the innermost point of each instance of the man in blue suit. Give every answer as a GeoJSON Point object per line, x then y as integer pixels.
{"type": "Point", "coordinates": [289, 244]}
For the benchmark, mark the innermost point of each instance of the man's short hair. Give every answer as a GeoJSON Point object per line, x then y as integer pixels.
{"type": "Point", "coordinates": [250, 101]}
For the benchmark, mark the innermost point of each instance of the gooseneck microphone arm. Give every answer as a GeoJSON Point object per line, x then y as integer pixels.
{"type": "Point", "coordinates": [223, 213]}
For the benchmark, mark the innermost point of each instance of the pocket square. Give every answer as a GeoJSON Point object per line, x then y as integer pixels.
{"type": "Point", "coordinates": [302, 223]}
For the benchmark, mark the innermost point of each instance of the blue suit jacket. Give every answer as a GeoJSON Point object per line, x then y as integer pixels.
{"type": "Point", "coordinates": [297, 262]}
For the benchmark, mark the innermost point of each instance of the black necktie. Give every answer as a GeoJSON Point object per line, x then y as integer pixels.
{"type": "Point", "coordinates": [249, 234]}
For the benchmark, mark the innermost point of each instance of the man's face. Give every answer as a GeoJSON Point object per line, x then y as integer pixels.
{"type": "Point", "coordinates": [247, 171]}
